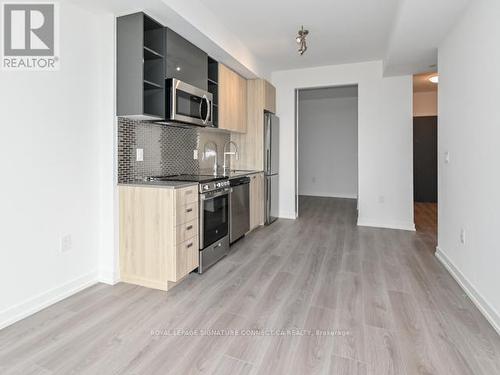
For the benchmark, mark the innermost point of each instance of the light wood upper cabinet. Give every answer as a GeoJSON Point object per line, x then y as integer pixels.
{"type": "Point", "coordinates": [261, 96]}
{"type": "Point", "coordinates": [158, 235]}
{"type": "Point", "coordinates": [232, 100]}
{"type": "Point", "coordinates": [256, 200]}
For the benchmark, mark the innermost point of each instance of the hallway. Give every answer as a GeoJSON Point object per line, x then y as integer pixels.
{"type": "Point", "coordinates": [393, 306]}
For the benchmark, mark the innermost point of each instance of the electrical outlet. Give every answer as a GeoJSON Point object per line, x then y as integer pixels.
{"type": "Point", "coordinates": [195, 154]}
{"type": "Point", "coordinates": [139, 154]}
{"type": "Point", "coordinates": [381, 199]}
{"type": "Point", "coordinates": [462, 236]}
{"type": "Point", "coordinates": [447, 157]}
{"type": "Point", "coordinates": [313, 179]}
{"type": "Point", "coordinates": [66, 243]}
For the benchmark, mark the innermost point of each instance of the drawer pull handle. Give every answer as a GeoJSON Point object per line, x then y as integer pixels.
{"type": "Point", "coordinates": [189, 210]}
{"type": "Point", "coordinates": [189, 245]}
{"type": "Point", "coordinates": [189, 192]}
{"type": "Point", "coordinates": [189, 227]}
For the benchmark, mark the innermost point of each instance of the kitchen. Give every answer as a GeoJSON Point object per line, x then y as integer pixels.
{"type": "Point", "coordinates": [134, 205]}
{"type": "Point", "coordinates": [197, 154]}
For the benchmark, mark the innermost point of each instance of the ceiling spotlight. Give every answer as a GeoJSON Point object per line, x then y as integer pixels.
{"type": "Point", "coordinates": [301, 40]}
{"type": "Point", "coordinates": [434, 79]}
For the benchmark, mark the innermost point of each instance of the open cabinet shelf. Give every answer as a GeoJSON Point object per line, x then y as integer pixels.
{"type": "Point", "coordinates": [213, 88]}
{"type": "Point", "coordinates": [140, 67]}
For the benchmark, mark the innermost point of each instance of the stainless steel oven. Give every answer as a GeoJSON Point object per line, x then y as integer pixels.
{"type": "Point", "coordinates": [214, 225]}
{"type": "Point", "coordinates": [188, 104]}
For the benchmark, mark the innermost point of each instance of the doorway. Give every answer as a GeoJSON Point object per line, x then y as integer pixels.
{"type": "Point", "coordinates": [327, 145]}
{"type": "Point", "coordinates": [425, 155]}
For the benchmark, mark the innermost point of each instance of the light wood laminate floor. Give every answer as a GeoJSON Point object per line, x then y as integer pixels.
{"type": "Point", "coordinates": [396, 309]}
{"type": "Point", "coordinates": [426, 222]}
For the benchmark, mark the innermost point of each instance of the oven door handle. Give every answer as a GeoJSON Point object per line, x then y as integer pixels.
{"type": "Point", "coordinates": [207, 197]}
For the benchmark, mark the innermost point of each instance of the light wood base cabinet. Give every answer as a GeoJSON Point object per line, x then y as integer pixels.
{"type": "Point", "coordinates": [158, 235]}
{"type": "Point", "coordinates": [256, 200]}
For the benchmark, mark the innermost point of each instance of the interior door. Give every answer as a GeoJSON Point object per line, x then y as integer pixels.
{"type": "Point", "coordinates": [425, 159]}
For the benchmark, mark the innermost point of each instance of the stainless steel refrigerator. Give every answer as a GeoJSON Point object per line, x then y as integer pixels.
{"type": "Point", "coordinates": [271, 166]}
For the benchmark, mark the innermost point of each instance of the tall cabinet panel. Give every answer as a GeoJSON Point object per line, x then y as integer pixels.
{"type": "Point", "coordinates": [256, 200]}
{"type": "Point", "coordinates": [140, 67]}
{"type": "Point", "coordinates": [185, 61]}
{"type": "Point", "coordinates": [261, 96]}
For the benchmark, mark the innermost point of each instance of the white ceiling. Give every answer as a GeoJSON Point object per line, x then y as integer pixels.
{"type": "Point", "coordinates": [419, 28]}
{"type": "Point", "coordinates": [258, 37]}
{"type": "Point", "coordinates": [341, 31]}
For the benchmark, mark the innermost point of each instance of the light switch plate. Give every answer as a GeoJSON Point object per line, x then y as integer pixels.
{"type": "Point", "coordinates": [139, 154]}
{"type": "Point", "coordinates": [195, 154]}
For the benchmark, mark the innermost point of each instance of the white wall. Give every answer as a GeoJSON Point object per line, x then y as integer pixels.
{"type": "Point", "coordinates": [468, 196]}
{"type": "Point", "coordinates": [385, 173]}
{"type": "Point", "coordinates": [328, 145]}
{"type": "Point", "coordinates": [55, 129]}
{"type": "Point", "coordinates": [425, 103]}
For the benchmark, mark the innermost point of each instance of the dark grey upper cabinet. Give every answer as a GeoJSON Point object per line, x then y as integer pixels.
{"type": "Point", "coordinates": [185, 61]}
{"type": "Point", "coordinates": [140, 67]}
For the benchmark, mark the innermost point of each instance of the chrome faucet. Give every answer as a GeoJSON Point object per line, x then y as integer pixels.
{"type": "Point", "coordinates": [213, 153]}
{"type": "Point", "coordinates": [235, 153]}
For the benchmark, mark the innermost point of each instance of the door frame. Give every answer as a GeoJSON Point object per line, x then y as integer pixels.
{"type": "Point", "coordinates": [297, 135]}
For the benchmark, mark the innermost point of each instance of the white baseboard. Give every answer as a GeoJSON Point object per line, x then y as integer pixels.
{"type": "Point", "coordinates": [486, 309]}
{"type": "Point", "coordinates": [45, 299]}
{"type": "Point", "coordinates": [401, 226]}
{"type": "Point", "coordinates": [330, 195]}
{"type": "Point", "coordinates": [287, 215]}
{"type": "Point", "coordinates": [109, 277]}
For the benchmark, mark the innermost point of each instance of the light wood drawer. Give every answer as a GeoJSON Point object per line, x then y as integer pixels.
{"type": "Point", "coordinates": [186, 213]}
{"type": "Point", "coordinates": [187, 257]}
{"type": "Point", "coordinates": [186, 231]}
{"type": "Point", "coordinates": [186, 195]}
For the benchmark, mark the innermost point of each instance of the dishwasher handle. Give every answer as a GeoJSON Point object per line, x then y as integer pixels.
{"type": "Point", "coordinates": [239, 181]}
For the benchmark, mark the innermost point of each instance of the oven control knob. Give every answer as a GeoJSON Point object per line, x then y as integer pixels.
{"type": "Point", "coordinates": [205, 187]}
{"type": "Point", "coordinates": [217, 184]}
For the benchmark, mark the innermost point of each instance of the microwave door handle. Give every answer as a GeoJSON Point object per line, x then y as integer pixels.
{"type": "Point", "coordinates": [199, 109]}
{"type": "Point", "coordinates": [209, 111]}
{"type": "Point", "coordinates": [205, 120]}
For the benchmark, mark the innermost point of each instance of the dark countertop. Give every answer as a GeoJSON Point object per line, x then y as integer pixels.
{"type": "Point", "coordinates": [183, 184]}
{"type": "Point", "coordinates": [241, 173]}
{"type": "Point", "coordinates": [160, 184]}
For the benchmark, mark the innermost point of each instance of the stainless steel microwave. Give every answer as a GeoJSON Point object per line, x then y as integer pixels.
{"type": "Point", "coordinates": [188, 104]}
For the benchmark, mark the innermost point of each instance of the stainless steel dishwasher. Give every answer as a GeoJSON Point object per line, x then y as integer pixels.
{"type": "Point", "coordinates": [239, 208]}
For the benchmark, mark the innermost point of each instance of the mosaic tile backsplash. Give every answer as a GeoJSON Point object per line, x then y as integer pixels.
{"type": "Point", "coordinates": [168, 150]}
